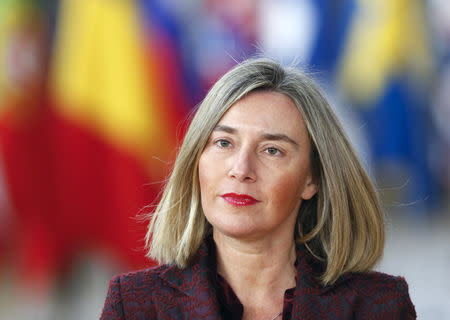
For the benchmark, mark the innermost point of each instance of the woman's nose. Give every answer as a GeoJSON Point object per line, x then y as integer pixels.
{"type": "Point", "coordinates": [242, 166]}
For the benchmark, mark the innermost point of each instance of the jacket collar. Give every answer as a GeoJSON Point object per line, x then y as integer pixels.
{"type": "Point", "coordinates": [195, 277]}
{"type": "Point", "coordinates": [196, 282]}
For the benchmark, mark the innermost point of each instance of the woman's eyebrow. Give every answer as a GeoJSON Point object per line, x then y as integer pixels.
{"type": "Point", "coordinates": [278, 137]}
{"type": "Point", "coordinates": [227, 129]}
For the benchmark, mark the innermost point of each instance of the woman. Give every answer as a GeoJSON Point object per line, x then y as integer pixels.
{"type": "Point", "coordinates": [268, 214]}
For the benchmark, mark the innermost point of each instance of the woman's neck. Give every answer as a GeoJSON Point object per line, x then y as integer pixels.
{"type": "Point", "coordinates": [259, 271]}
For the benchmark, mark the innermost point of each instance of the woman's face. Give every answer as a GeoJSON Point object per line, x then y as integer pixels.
{"type": "Point", "coordinates": [254, 171]}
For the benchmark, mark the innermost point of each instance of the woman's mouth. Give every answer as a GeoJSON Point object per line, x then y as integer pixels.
{"type": "Point", "coordinates": [239, 200]}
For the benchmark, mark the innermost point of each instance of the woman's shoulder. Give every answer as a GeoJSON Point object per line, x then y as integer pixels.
{"type": "Point", "coordinates": [133, 293]}
{"type": "Point", "coordinates": [142, 279]}
{"type": "Point", "coordinates": [381, 293]}
{"type": "Point", "coordinates": [377, 283]}
{"type": "Point", "coordinates": [141, 274]}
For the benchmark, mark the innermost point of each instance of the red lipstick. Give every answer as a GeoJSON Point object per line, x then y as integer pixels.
{"type": "Point", "coordinates": [239, 200]}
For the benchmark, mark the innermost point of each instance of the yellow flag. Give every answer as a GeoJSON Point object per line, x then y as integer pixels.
{"type": "Point", "coordinates": [99, 76]}
{"type": "Point", "coordinates": [387, 37]}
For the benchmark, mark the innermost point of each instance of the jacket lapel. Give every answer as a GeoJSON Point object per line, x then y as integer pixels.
{"type": "Point", "coordinates": [195, 283]}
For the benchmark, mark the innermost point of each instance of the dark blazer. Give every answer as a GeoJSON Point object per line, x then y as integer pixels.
{"type": "Point", "coordinates": [168, 292]}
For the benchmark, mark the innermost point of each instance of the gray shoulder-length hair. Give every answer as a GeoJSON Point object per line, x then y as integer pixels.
{"type": "Point", "coordinates": [342, 224]}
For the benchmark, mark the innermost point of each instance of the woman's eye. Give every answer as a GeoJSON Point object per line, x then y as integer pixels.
{"type": "Point", "coordinates": [223, 143]}
{"type": "Point", "coordinates": [273, 151]}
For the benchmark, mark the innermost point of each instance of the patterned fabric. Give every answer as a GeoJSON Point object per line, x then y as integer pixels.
{"type": "Point", "coordinates": [168, 292]}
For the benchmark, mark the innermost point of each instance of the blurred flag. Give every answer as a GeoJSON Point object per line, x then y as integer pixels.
{"type": "Point", "coordinates": [311, 33]}
{"type": "Point", "coordinates": [23, 38]}
{"type": "Point", "coordinates": [115, 125]}
{"type": "Point", "coordinates": [386, 70]}
{"type": "Point", "coordinates": [169, 72]}
{"type": "Point", "coordinates": [388, 39]}
{"type": "Point", "coordinates": [88, 138]}
{"type": "Point", "coordinates": [335, 19]}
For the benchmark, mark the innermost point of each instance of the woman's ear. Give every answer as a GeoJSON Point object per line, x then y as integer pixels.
{"type": "Point", "coordinates": [310, 189]}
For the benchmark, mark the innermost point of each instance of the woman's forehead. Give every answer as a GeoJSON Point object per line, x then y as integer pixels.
{"type": "Point", "coordinates": [265, 111]}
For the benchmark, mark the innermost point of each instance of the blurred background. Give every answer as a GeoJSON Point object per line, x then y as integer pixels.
{"type": "Point", "coordinates": [94, 96]}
